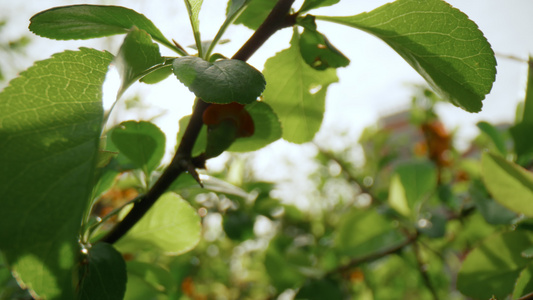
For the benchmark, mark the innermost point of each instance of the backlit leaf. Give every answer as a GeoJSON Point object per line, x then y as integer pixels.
{"type": "Point", "coordinates": [91, 21]}
{"type": "Point", "coordinates": [493, 267]}
{"type": "Point", "coordinates": [296, 92]}
{"type": "Point", "coordinates": [223, 81]}
{"type": "Point", "coordinates": [311, 4]}
{"type": "Point", "coordinates": [509, 184]}
{"type": "Point", "coordinates": [524, 283]}
{"type": "Point", "coordinates": [136, 55]}
{"type": "Point", "coordinates": [363, 232]}
{"type": "Point", "coordinates": [255, 13]}
{"type": "Point", "coordinates": [171, 226]}
{"type": "Point", "coordinates": [143, 143]}
{"type": "Point", "coordinates": [193, 8]}
{"type": "Point", "coordinates": [439, 42]}
{"type": "Point", "coordinates": [50, 124]}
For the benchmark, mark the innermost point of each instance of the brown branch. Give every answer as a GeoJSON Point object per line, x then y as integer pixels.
{"type": "Point", "coordinates": [182, 162]}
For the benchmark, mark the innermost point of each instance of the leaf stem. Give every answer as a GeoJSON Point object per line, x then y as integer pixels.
{"type": "Point", "coordinates": [183, 161]}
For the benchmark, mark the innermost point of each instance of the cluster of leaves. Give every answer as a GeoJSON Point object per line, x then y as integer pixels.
{"type": "Point", "coordinates": [104, 219]}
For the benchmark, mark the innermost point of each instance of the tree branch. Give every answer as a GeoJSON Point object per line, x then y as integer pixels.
{"type": "Point", "coordinates": [182, 162]}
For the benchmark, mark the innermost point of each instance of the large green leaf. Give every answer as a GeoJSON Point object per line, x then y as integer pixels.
{"type": "Point", "coordinates": [171, 225]}
{"type": "Point", "coordinates": [50, 124]}
{"type": "Point", "coordinates": [224, 81]}
{"type": "Point", "coordinates": [296, 92]}
{"type": "Point", "coordinates": [439, 42]}
{"type": "Point", "coordinates": [492, 268]}
{"type": "Point", "coordinates": [102, 274]}
{"type": "Point", "coordinates": [509, 184]}
{"type": "Point", "coordinates": [91, 21]}
{"type": "Point", "coordinates": [143, 143]}
{"type": "Point", "coordinates": [363, 232]}
{"type": "Point", "coordinates": [136, 55]}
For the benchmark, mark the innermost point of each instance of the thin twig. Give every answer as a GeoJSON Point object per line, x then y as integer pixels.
{"type": "Point", "coordinates": [182, 162]}
{"type": "Point", "coordinates": [373, 256]}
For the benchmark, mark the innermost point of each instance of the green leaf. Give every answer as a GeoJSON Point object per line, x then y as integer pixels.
{"type": "Point", "coordinates": [284, 263]}
{"type": "Point", "coordinates": [495, 136]}
{"type": "Point", "coordinates": [524, 283]}
{"type": "Point", "coordinates": [509, 184]}
{"type": "Point", "coordinates": [255, 13]}
{"type": "Point", "coordinates": [493, 267]}
{"type": "Point", "coordinates": [296, 92]}
{"type": "Point", "coordinates": [223, 81]}
{"type": "Point", "coordinates": [527, 117]}
{"type": "Point", "coordinates": [102, 274]}
{"type": "Point", "coordinates": [193, 8]}
{"type": "Point", "coordinates": [312, 4]}
{"type": "Point", "coordinates": [157, 75]}
{"type": "Point", "coordinates": [141, 142]}
{"type": "Point", "coordinates": [171, 225]}
{"type": "Point", "coordinates": [523, 143]}
{"type": "Point", "coordinates": [319, 53]}
{"type": "Point", "coordinates": [91, 21]}
{"type": "Point", "coordinates": [239, 225]}
{"type": "Point", "coordinates": [50, 124]}
{"type": "Point", "coordinates": [363, 232]}
{"type": "Point", "coordinates": [219, 138]}
{"type": "Point", "coordinates": [136, 55]}
{"type": "Point", "coordinates": [412, 183]}
{"type": "Point", "coordinates": [439, 42]}
{"type": "Point", "coordinates": [319, 289]}
{"type": "Point", "coordinates": [154, 275]}
{"type": "Point", "coordinates": [267, 128]}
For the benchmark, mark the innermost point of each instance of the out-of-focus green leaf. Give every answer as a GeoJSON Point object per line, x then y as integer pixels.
{"type": "Point", "coordinates": [312, 4]}
{"type": "Point", "coordinates": [91, 21]}
{"type": "Point", "coordinates": [439, 42]}
{"type": "Point", "coordinates": [492, 268]}
{"type": "Point", "coordinates": [524, 283]}
{"type": "Point", "coordinates": [284, 263]}
{"type": "Point", "coordinates": [362, 232]}
{"type": "Point", "coordinates": [523, 144]}
{"type": "Point", "coordinates": [319, 289]}
{"type": "Point", "coordinates": [159, 278]}
{"type": "Point", "coordinates": [223, 81]}
{"type": "Point", "coordinates": [509, 184]}
{"type": "Point", "coordinates": [136, 55]}
{"type": "Point", "coordinates": [412, 183]}
{"type": "Point", "coordinates": [492, 211]}
{"type": "Point", "coordinates": [50, 124]}
{"type": "Point", "coordinates": [171, 226]}
{"type": "Point", "coordinates": [296, 92]}
{"type": "Point", "coordinates": [494, 135]}
{"type": "Point", "coordinates": [255, 13]}
{"type": "Point", "coordinates": [102, 274]}
{"type": "Point", "coordinates": [527, 117]}
{"type": "Point", "coordinates": [141, 142]}
{"type": "Point", "coordinates": [239, 225]}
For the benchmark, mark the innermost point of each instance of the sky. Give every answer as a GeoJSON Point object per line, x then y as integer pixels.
{"type": "Point", "coordinates": [376, 83]}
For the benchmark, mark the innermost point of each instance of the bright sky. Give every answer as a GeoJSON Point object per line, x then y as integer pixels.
{"type": "Point", "coordinates": [376, 83]}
